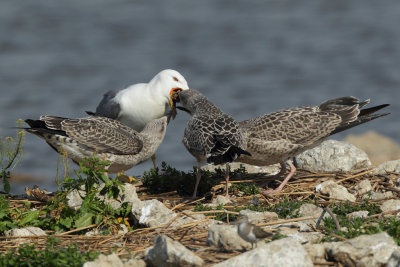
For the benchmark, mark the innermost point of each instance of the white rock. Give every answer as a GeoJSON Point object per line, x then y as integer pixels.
{"type": "Point", "coordinates": [308, 209]}
{"type": "Point", "coordinates": [220, 200]}
{"type": "Point", "coordinates": [27, 231]}
{"type": "Point", "coordinates": [316, 252]}
{"type": "Point", "coordinates": [269, 170]}
{"type": "Point", "coordinates": [152, 213]}
{"type": "Point", "coordinates": [284, 252]}
{"type": "Point", "coordinates": [335, 191]}
{"type": "Point", "coordinates": [256, 217]}
{"type": "Point", "coordinates": [388, 167]}
{"type": "Point", "coordinates": [391, 204]}
{"type": "Point", "coordinates": [333, 156]}
{"type": "Point", "coordinates": [168, 252]}
{"type": "Point", "coordinates": [394, 260]}
{"type": "Point", "coordinates": [363, 187]}
{"type": "Point", "coordinates": [111, 260]}
{"type": "Point", "coordinates": [307, 237]}
{"type": "Point", "coordinates": [226, 237]}
{"type": "Point", "coordinates": [378, 195]}
{"type": "Point", "coordinates": [75, 197]}
{"type": "Point", "coordinates": [366, 250]}
{"type": "Point", "coordinates": [358, 214]}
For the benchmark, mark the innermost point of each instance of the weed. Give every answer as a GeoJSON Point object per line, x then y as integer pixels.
{"type": "Point", "coordinates": [10, 154]}
{"type": "Point", "coordinates": [247, 188]}
{"type": "Point", "coordinates": [52, 255]}
{"type": "Point", "coordinates": [57, 215]}
{"type": "Point", "coordinates": [170, 179]}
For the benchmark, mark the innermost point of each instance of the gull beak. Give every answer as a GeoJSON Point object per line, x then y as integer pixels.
{"type": "Point", "coordinates": [172, 100]}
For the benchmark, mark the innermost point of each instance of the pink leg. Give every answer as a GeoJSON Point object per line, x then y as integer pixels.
{"type": "Point", "coordinates": [281, 172]}
{"type": "Point", "coordinates": [280, 187]}
{"type": "Point", "coordinates": [227, 168]}
{"type": "Point", "coordinates": [198, 177]}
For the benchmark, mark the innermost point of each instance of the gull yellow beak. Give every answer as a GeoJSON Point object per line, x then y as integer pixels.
{"type": "Point", "coordinates": [172, 102]}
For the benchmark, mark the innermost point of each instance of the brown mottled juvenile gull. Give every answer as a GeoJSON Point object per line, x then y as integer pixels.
{"type": "Point", "coordinates": [278, 136]}
{"type": "Point", "coordinates": [210, 135]}
{"type": "Point", "coordinates": [106, 138]}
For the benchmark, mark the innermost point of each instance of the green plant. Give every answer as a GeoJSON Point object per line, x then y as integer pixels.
{"type": "Point", "coordinates": [52, 255]}
{"type": "Point", "coordinates": [10, 154]}
{"type": "Point", "coordinates": [57, 215]}
{"type": "Point", "coordinates": [169, 179]}
{"type": "Point", "coordinates": [247, 188]}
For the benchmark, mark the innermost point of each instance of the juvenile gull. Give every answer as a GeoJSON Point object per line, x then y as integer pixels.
{"type": "Point", "coordinates": [250, 232]}
{"type": "Point", "coordinates": [210, 135]}
{"type": "Point", "coordinates": [106, 138]}
{"type": "Point", "coordinates": [141, 103]}
{"type": "Point", "coordinates": [278, 136]}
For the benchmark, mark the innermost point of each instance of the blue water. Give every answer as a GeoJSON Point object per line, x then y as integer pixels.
{"type": "Point", "coordinates": [249, 57]}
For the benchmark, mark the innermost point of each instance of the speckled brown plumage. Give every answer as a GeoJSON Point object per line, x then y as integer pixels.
{"type": "Point", "coordinates": [107, 138]}
{"type": "Point", "coordinates": [276, 137]}
{"type": "Point", "coordinates": [210, 134]}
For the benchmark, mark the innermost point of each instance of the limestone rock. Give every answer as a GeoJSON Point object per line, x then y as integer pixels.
{"type": "Point", "coordinates": [168, 252]}
{"type": "Point", "coordinates": [271, 170]}
{"type": "Point", "coordinates": [111, 260]}
{"type": "Point", "coordinates": [220, 200]}
{"type": "Point", "coordinates": [378, 195]}
{"type": "Point", "coordinates": [366, 250]}
{"type": "Point", "coordinates": [333, 156]}
{"type": "Point", "coordinates": [388, 167]}
{"type": "Point", "coordinates": [394, 260]}
{"type": "Point", "coordinates": [284, 252]}
{"type": "Point", "coordinates": [27, 231]}
{"type": "Point", "coordinates": [152, 213]}
{"type": "Point", "coordinates": [363, 187]}
{"type": "Point", "coordinates": [308, 209]}
{"type": "Point", "coordinates": [226, 237]}
{"type": "Point", "coordinates": [307, 237]}
{"type": "Point", "coordinates": [135, 263]}
{"type": "Point", "coordinates": [316, 252]}
{"type": "Point", "coordinates": [333, 190]}
{"type": "Point", "coordinates": [256, 217]}
{"type": "Point", "coordinates": [358, 214]}
{"type": "Point", "coordinates": [75, 197]}
{"type": "Point", "coordinates": [379, 148]}
{"type": "Point", "coordinates": [391, 204]}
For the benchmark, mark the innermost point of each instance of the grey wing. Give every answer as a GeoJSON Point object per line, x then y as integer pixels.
{"type": "Point", "coordinates": [302, 125]}
{"type": "Point", "coordinates": [103, 135]}
{"type": "Point", "coordinates": [108, 107]}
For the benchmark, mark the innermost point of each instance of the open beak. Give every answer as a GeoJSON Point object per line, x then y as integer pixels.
{"type": "Point", "coordinates": [172, 100]}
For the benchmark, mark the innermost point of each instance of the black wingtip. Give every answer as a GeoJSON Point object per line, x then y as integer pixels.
{"type": "Point", "coordinates": [229, 156]}
{"type": "Point", "coordinates": [91, 113]}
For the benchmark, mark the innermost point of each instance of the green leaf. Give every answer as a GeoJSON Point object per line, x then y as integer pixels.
{"type": "Point", "coordinates": [67, 222]}
{"type": "Point", "coordinates": [84, 220]}
{"type": "Point", "coordinates": [29, 217]}
{"type": "Point", "coordinates": [98, 219]}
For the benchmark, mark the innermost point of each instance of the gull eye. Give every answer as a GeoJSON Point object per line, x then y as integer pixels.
{"type": "Point", "coordinates": [176, 79]}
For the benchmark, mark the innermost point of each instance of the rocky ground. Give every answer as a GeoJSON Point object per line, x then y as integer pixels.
{"type": "Point", "coordinates": [338, 210]}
